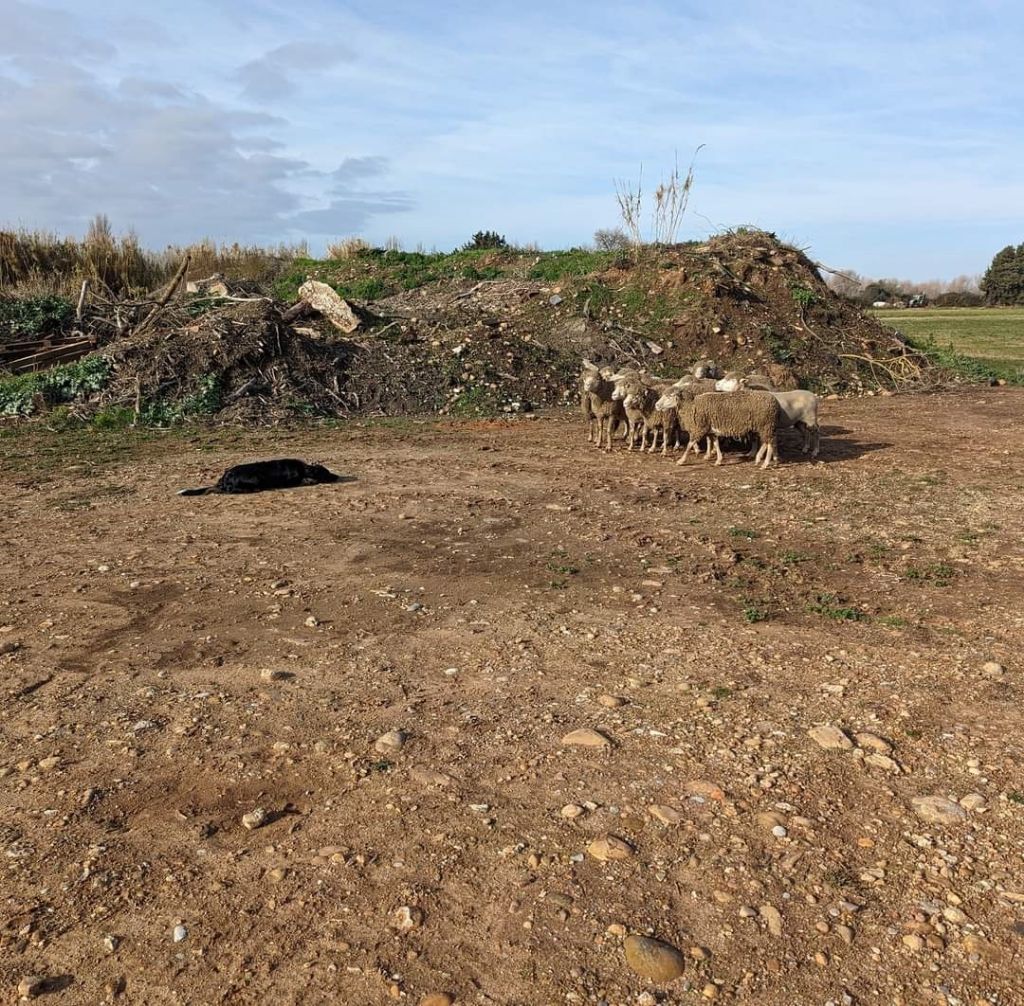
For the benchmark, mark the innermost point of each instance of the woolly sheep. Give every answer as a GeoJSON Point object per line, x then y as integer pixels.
{"type": "Point", "coordinates": [679, 399]}
{"type": "Point", "coordinates": [608, 413]}
{"type": "Point", "coordinates": [638, 398]}
{"type": "Point", "coordinates": [740, 414]}
{"type": "Point", "coordinates": [800, 411]}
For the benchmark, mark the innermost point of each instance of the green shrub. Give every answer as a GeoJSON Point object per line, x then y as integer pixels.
{"type": "Point", "coordinates": [34, 317]}
{"type": "Point", "coordinates": [60, 384]}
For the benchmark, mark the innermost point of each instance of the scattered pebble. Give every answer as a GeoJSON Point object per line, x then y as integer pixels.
{"type": "Point", "coordinates": [255, 819]}
{"type": "Point", "coordinates": [571, 811]}
{"type": "Point", "coordinates": [654, 959]}
{"type": "Point", "coordinates": [866, 739]}
{"type": "Point", "coordinates": [391, 742]}
{"type": "Point", "coordinates": [586, 738]}
{"type": "Point", "coordinates": [31, 986]}
{"type": "Point", "coordinates": [938, 810]}
{"type": "Point", "coordinates": [992, 669]}
{"type": "Point", "coordinates": [611, 701]}
{"type": "Point", "coordinates": [437, 999]}
{"type": "Point", "coordinates": [179, 933]}
{"type": "Point", "coordinates": [408, 917]}
{"type": "Point", "coordinates": [610, 848]}
{"type": "Point", "coordinates": [830, 738]}
{"type": "Point", "coordinates": [665, 814]}
{"type": "Point", "coordinates": [428, 777]}
{"type": "Point", "coordinates": [772, 918]}
{"type": "Point", "coordinates": [271, 674]}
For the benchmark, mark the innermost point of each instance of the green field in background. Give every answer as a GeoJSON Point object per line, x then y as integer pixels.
{"type": "Point", "coordinates": [992, 335]}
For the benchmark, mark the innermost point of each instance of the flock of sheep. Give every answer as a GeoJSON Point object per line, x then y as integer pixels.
{"type": "Point", "coordinates": [705, 404]}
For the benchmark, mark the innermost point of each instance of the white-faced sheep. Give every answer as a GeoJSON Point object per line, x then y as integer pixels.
{"type": "Point", "coordinates": [679, 399]}
{"type": "Point", "coordinates": [706, 369]}
{"type": "Point", "coordinates": [734, 380]}
{"type": "Point", "coordinates": [603, 409]}
{"type": "Point", "coordinates": [800, 411]}
{"type": "Point", "coordinates": [640, 399]}
{"type": "Point", "coordinates": [740, 414]}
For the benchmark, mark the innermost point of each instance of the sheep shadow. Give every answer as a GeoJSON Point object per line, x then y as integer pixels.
{"type": "Point", "coordinates": [834, 447]}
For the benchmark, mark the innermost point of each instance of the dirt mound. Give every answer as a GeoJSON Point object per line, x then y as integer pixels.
{"type": "Point", "coordinates": [242, 361]}
{"type": "Point", "coordinates": [463, 345]}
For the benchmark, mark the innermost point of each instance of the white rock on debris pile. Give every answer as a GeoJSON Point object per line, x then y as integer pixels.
{"type": "Point", "coordinates": [325, 301]}
{"type": "Point", "coordinates": [585, 738]}
{"type": "Point", "coordinates": [179, 933]}
{"type": "Point", "coordinates": [938, 810]}
{"type": "Point", "coordinates": [830, 738]}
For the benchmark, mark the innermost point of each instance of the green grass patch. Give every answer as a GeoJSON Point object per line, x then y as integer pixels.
{"type": "Point", "coordinates": [744, 532]}
{"type": "Point", "coordinates": [557, 265]}
{"type": "Point", "coordinates": [938, 573]}
{"type": "Point", "coordinates": [837, 608]}
{"type": "Point", "coordinates": [979, 343]}
{"type": "Point", "coordinates": [756, 611]}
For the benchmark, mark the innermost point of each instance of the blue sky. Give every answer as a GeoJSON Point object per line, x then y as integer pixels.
{"type": "Point", "coordinates": [886, 137]}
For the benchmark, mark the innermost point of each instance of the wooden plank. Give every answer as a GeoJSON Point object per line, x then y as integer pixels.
{"type": "Point", "coordinates": [60, 354]}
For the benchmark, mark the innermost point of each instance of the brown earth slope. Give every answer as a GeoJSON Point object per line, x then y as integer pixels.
{"type": "Point", "coordinates": [479, 587]}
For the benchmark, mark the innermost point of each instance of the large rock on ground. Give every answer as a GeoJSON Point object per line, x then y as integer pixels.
{"type": "Point", "coordinates": [653, 959]}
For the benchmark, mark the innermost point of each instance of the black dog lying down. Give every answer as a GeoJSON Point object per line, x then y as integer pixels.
{"type": "Point", "coordinates": [284, 473]}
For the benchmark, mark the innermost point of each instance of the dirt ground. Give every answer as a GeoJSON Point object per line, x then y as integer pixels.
{"type": "Point", "coordinates": [480, 586]}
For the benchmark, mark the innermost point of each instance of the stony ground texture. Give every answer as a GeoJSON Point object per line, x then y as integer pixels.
{"type": "Point", "coordinates": [468, 725]}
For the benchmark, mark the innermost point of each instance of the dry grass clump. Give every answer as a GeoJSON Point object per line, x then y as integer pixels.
{"type": "Point", "coordinates": [41, 262]}
{"type": "Point", "coordinates": [347, 248]}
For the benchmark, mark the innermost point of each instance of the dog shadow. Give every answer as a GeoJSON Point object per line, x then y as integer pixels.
{"type": "Point", "coordinates": [304, 485]}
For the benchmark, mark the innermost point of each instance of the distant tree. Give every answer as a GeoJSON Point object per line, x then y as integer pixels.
{"type": "Point", "coordinates": [1003, 283]}
{"type": "Point", "coordinates": [611, 239]}
{"type": "Point", "coordinates": [847, 284]}
{"type": "Point", "coordinates": [485, 239]}
{"type": "Point", "coordinates": [879, 290]}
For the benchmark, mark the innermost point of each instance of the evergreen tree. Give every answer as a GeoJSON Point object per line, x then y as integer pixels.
{"type": "Point", "coordinates": [1003, 283]}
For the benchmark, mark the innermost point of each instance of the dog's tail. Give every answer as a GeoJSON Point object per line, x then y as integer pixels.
{"type": "Point", "coordinates": [199, 492]}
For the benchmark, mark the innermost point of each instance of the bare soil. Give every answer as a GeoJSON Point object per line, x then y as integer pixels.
{"type": "Point", "coordinates": [479, 586]}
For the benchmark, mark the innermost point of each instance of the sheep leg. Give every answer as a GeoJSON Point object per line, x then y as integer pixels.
{"type": "Point", "coordinates": [689, 447]}
{"type": "Point", "coordinates": [632, 433]}
{"type": "Point", "coordinates": [816, 440]}
{"type": "Point", "coordinates": [718, 449]}
{"type": "Point", "coordinates": [654, 439]}
{"type": "Point", "coordinates": [771, 454]}
{"type": "Point", "coordinates": [709, 444]}
{"type": "Point", "coordinates": [611, 430]}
